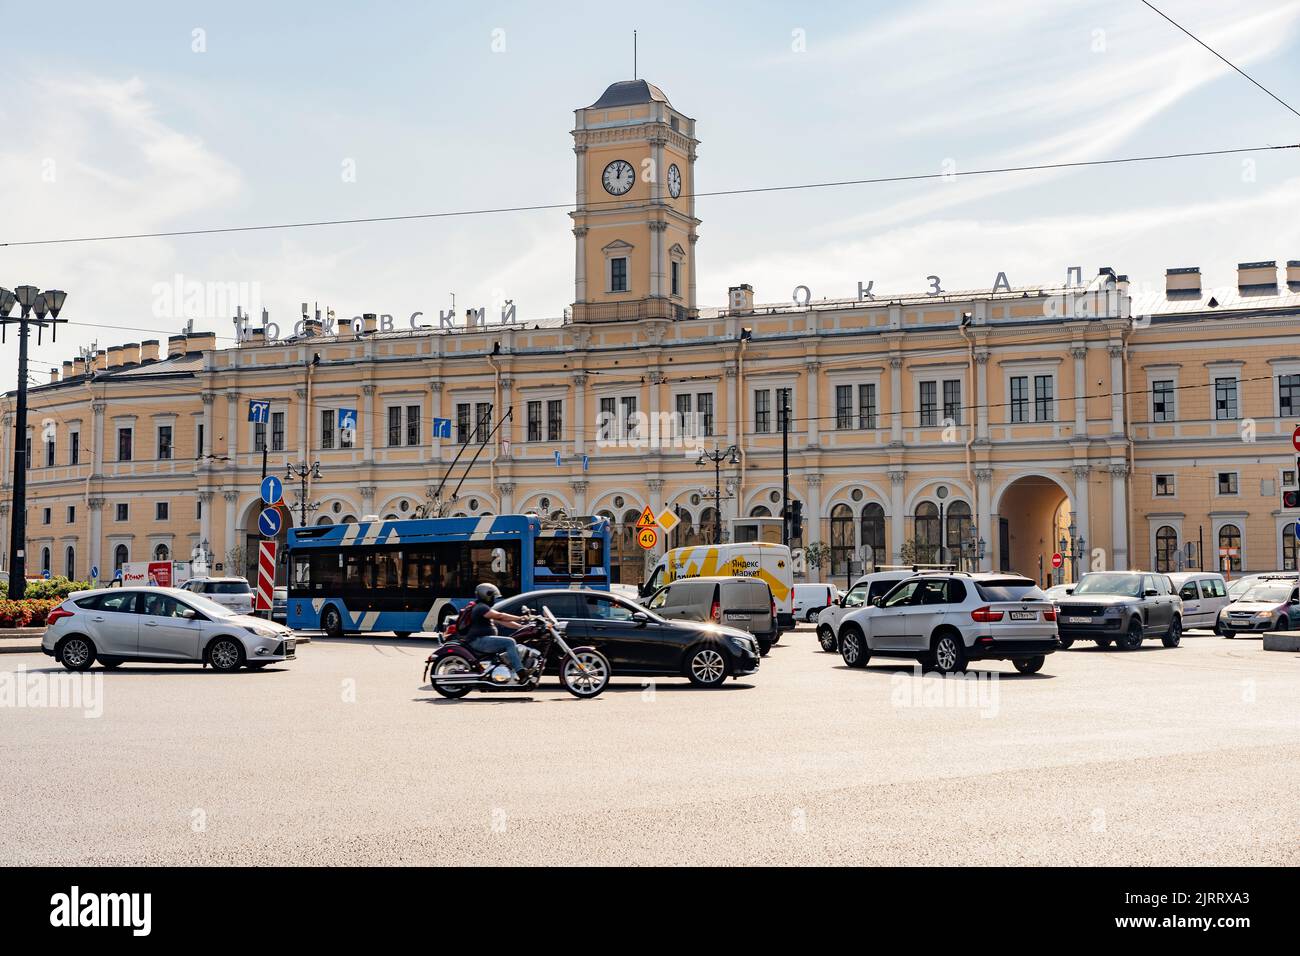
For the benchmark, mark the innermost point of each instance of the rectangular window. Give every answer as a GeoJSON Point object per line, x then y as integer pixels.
{"type": "Point", "coordinates": [327, 428]}
{"type": "Point", "coordinates": [704, 409]}
{"type": "Point", "coordinates": [49, 453]}
{"type": "Point", "coordinates": [1162, 400]}
{"type": "Point", "coordinates": [346, 436]}
{"type": "Point", "coordinates": [1227, 482]}
{"type": "Point", "coordinates": [952, 400]}
{"type": "Point", "coordinates": [784, 408]}
{"type": "Point", "coordinates": [413, 435]}
{"type": "Point", "coordinates": [683, 411]}
{"type": "Point", "coordinates": [164, 442]}
{"type": "Point", "coordinates": [462, 422]}
{"type": "Point", "coordinates": [1020, 398]}
{"type": "Point", "coordinates": [762, 410]}
{"type": "Point", "coordinates": [843, 406]}
{"type": "Point", "coordinates": [394, 426]}
{"type": "Point", "coordinates": [1225, 399]}
{"type": "Point", "coordinates": [534, 421]}
{"type": "Point", "coordinates": [72, 514]}
{"type": "Point", "coordinates": [628, 418]}
{"type": "Point", "coordinates": [124, 444]}
{"type": "Point", "coordinates": [1164, 486]}
{"type": "Point", "coordinates": [929, 404]}
{"type": "Point", "coordinates": [74, 451]}
{"type": "Point", "coordinates": [609, 419]}
{"type": "Point", "coordinates": [277, 431]}
{"type": "Point", "coordinates": [198, 445]}
{"type": "Point", "coordinates": [1043, 398]}
{"type": "Point", "coordinates": [160, 510]}
{"type": "Point", "coordinates": [483, 419]}
{"type": "Point", "coordinates": [676, 278]}
{"type": "Point", "coordinates": [1288, 395]}
{"type": "Point", "coordinates": [47, 515]}
{"type": "Point", "coordinates": [198, 508]}
{"type": "Point", "coordinates": [618, 275]}
{"type": "Point", "coordinates": [259, 436]}
{"type": "Point", "coordinates": [554, 420]}
{"type": "Point", "coordinates": [866, 406]}
{"type": "Point", "coordinates": [123, 512]}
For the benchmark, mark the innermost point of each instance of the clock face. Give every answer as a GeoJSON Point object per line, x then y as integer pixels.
{"type": "Point", "coordinates": [618, 177]}
{"type": "Point", "coordinates": [674, 181]}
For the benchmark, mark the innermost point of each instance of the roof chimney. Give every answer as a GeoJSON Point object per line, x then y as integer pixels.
{"type": "Point", "coordinates": [1183, 283]}
{"type": "Point", "coordinates": [54, 375]}
{"type": "Point", "coordinates": [131, 353]}
{"type": "Point", "coordinates": [200, 341]}
{"type": "Point", "coordinates": [100, 361]}
{"type": "Point", "coordinates": [254, 336]}
{"type": "Point", "coordinates": [1293, 275]}
{"type": "Point", "coordinates": [175, 345]}
{"type": "Point", "coordinates": [79, 366]}
{"type": "Point", "coordinates": [1259, 278]}
{"type": "Point", "coordinates": [740, 298]}
{"type": "Point", "coordinates": [67, 370]}
{"type": "Point", "coordinates": [149, 350]}
{"type": "Point", "coordinates": [114, 356]}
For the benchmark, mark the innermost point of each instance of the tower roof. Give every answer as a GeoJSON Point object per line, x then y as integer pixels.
{"type": "Point", "coordinates": [629, 93]}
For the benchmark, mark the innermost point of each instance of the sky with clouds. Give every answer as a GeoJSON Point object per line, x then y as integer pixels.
{"type": "Point", "coordinates": [142, 117]}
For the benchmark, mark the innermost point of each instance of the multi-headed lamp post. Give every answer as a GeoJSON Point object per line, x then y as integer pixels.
{"type": "Point", "coordinates": [731, 455]}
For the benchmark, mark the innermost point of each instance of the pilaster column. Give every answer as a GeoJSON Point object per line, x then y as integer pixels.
{"type": "Point", "coordinates": [435, 411]}
{"type": "Point", "coordinates": [982, 396]}
{"type": "Point", "coordinates": [657, 380]}
{"type": "Point", "coordinates": [97, 436]}
{"type": "Point", "coordinates": [367, 499]}
{"type": "Point", "coordinates": [897, 480]}
{"type": "Point", "coordinates": [230, 544]}
{"type": "Point", "coordinates": [1116, 389]}
{"type": "Point", "coordinates": [579, 495]}
{"type": "Point", "coordinates": [1080, 355]}
{"type": "Point", "coordinates": [205, 519]}
{"type": "Point", "coordinates": [581, 422]}
{"type": "Point", "coordinates": [812, 373]}
{"type": "Point", "coordinates": [693, 240]}
{"type": "Point", "coordinates": [1119, 517]}
{"type": "Point", "coordinates": [506, 489]}
{"type": "Point", "coordinates": [813, 513]}
{"type": "Point", "coordinates": [984, 493]}
{"type": "Point", "coordinates": [95, 543]}
{"type": "Point", "coordinates": [654, 488]}
{"type": "Point", "coordinates": [368, 422]}
{"type": "Point", "coordinates": [208, 438]}
{"type": "Point", "coordinates": [580, 264]}
{"type": "Point", "coordinates": [303, 432]}
{"type": "Point", "coordinates": [896, 400]}
{"type": "Point", "coordinates": [658, 230]}
{"type": "Point", "coordinates": [1081, 517]}
{"type": "Point", "coordinates": [507, 432]}
{"type": "Point", "coordinates": [232, 429]}
{"type": "Point", "coordinates": [733, 402]}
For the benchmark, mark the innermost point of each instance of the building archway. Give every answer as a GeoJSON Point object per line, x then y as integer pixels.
{"type": "Point", "coordinates": [1031, 513]}
{"type": "Point", "coordinates": [252, 539]}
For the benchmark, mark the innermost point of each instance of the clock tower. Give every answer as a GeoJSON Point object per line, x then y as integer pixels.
{"type": "Point", "coordinates": [634, 221]}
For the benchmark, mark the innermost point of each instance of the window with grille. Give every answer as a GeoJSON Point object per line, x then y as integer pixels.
{"type": "Point", "coordinates": [929, 404]}
{"type": "Point", "coordinates": [1043, 394]}
{"type": "Point", "coordinates": [952, 401]}
{"type": "Point", "coordinates": [534, 421]}
{"type": "Point", "coordinates": [1225, 399]}
{"type": "Point", "coordinates": [1019, 398]}
{"type": "Point", "coordinates": [554, 420]}
{"type": "Point", "coordinates": [762, 410]}
{"type": "Point", "coordinates": [1162, 400]}
{"type": "Point", "coordinates": [843, 406]}
{"type": "Point", "coordinates": [866, 406]}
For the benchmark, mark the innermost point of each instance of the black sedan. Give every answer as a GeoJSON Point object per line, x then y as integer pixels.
{"type": "Point", "coordinates": [640, 643]}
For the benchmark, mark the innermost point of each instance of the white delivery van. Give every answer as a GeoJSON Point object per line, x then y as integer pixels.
{"type": "Point", "coordinates": [750, 559]}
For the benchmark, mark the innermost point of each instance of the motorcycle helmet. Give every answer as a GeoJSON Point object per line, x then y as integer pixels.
{"type": "Point", "coordinates": [487, 594]}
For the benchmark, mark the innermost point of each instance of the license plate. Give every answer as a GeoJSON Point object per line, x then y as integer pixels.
{"type": "Point", "coordinates": [289, 649]}
{"type": "Point", "coordinates": [1078, 620]}
{"type": "Point", "coordinates": [1024, 615]}
{"type": "Point", "coordinates": [737, 615]}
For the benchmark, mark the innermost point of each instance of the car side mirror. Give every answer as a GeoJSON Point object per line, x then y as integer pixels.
{"type": "Point", "coordinates": [1150, 592]}
{"type": "Point", "coordinates": [1069, 590]}
{"type": "Point", "coordinates": [876, 601]}
{"type": "Point", "coordinates": [640, 617]}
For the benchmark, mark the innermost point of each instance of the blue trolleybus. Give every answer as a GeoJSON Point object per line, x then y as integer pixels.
{"type": "Point", "coordinates": [410, 576]}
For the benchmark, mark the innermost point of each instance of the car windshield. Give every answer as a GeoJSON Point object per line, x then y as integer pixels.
{"type": "Point", "coordinates": [1267, 594]}
{"type": "Point", "coordinates": [1128, 585]}
{"type": "Point", "coordinates": [1009, 589]}
{"type": "Point", "coordinates": [227, 587]}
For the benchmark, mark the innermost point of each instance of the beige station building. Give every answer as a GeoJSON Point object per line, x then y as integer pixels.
{"type": "Point", "coordinates": [982, 427]}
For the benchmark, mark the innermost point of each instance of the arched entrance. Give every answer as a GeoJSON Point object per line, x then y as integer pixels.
{"type": "Point", "coordinates": [1031, 514]}
{"type": "Point", "coordinates": [252, 539]}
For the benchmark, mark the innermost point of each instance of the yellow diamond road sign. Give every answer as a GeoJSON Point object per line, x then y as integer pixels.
{"type": "Point", "coordinates": [668, 519]}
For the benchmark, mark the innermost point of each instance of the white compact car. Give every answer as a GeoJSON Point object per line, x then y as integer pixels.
{"type": "Point", "coordinates": [1204, 595]}
{"type": "Point", "coordinates": [233, 593]}
{"type": "Point", "coordinates": [865, 589]}
{"type": "Point", "coordinates": [160, 625]}
{"type": "Point", "coordinates": [811, 599]}
{"type": "Point", "coordinates": [949, 618]}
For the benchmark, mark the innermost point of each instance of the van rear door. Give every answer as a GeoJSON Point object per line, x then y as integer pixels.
{"type": "Point", "coordinates": [746, 603]}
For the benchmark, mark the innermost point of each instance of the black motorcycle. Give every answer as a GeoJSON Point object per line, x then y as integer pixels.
{"type": "Point", "coordinates": [455, 669]}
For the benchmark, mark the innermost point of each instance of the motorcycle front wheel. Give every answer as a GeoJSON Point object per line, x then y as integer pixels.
{"type": "Point", "coordinates": [586, 674]}
{"type": "Point", "coordinates": [449, 665]}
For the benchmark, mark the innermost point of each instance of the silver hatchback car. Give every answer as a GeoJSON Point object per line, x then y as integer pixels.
{"type": "Point", "coordinates": [948, 619]}
{"type": "Point", "coordinates": [160, 625]}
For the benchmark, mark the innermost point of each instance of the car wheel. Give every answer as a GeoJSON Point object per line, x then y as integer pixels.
{"type": "Point", "coordinates": [1065, 642]}
{"type": "Point", "coordinates": [1228, 634]}
{"type": "Point", "coordinates": [707, 667]}
{"type": "Point", "coordinates": [826, 637]}
{"type": "Point", "coordinates": [77, 653]}
{"type": "Point", "coordinates": [1281, 626]}
{"type": "Point", "coordinates": [226, 655]}
{"type": "Point", "coordinates": [949, 653]}
{"type": "Point", "coordinates": [331, 622]}
{"type": "Point", "coordinates": [811, 616]}
{"type": "Point", "coordinates": [853, 647]}
{"type": "Point", "coordinates": [1174, 635]}
{"type": "Point", "coordinates": [402, 634]}
{"type": "Point", "coordinates": [1029, 665]}
{"type": "Point", "coordinates": [1132, 638]}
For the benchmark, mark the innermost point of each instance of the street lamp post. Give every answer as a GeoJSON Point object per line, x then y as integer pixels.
{"type": "Point", "coordinates": [302, 472]}
{"type": "Point", "coordinates": [47, 306]}
{"type": "Point", "coordinates": [718, 457]}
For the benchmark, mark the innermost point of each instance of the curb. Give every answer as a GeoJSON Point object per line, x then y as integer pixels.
{"type": "Point", "coordinates": [1282, 641]}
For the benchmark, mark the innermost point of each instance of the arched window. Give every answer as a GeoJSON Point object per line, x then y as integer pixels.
{"type": "Point", "coordinates": [1288, 547]}
{"type": "Point", "coordinates": [708, 526]}
{"type": "Point", "coordinates": [162, 553]}
{"type": "Point", "coordinates": [1230, 537]}
{"type": "Point", "coordinates": [956, 533]}
{"type": "Point", "coordinates": [324, 520]}
{"type": "Point", "coordinates": [873, 534]}
{"type": "Point", "coordinates": [925, 533]}
{"type": "Point", "coordinates": [120, 556]}
{"type": "Point", "coordinates": [45, 561]}
{"type": "Point", "coordinates": [842, 542]}
{"type": "Point", "coordinates": [349, 519]}
{"type": "Point", "coordinates": [760, 511]}
{"type": "Point", "coordinates": [70, 563]}
{"type": "Point", "coordinates": [1166, 549]}
{"type": "Point", "coordinates": [683, 532]}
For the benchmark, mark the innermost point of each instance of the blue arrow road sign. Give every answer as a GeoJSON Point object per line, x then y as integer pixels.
{"type": "Point", "coordinates": [268, 522]}
{"type": "Point", "coordinates": [348, 418]}
{"type": "Point", "coordinates": [46, 574]}
{"type": "Point", "coordinates": [272, 489]}
{"type": "Point", "coordinates": [442, 428]}
{"type": "Point", "coordinates": [585, 462]}
{"type": "Point", "coordinates": [557, 458]}
{"type": "Point", "coordinates": [117, 574]}
{"type": "Point", "coordinates": [259, 412]}
{"type": "Point", "coordinates": [94, 572]}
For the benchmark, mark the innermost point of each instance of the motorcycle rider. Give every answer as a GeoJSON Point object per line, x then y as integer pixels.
{"type": "Point", "coordinates": [482, 635]}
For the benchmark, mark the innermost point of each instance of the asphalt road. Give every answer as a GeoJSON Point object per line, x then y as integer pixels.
{"type": "Point", "coordinates": [1183, 756]}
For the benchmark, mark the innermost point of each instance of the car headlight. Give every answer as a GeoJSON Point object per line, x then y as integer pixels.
{"type": "Point", "coordinates": [742, 643]}
{"type": "Point", "coordinates": [1264, 615]}
{"type": "Point", "coordinates": [261, 632]}
{"type": "Point", "coordinates": [1113, 612]}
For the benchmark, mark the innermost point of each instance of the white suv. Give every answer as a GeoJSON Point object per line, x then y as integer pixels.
{"type": "Point", "coordinates": [949, 618]}
{"type": "Point", "coordinates": [864, 590]}
{"type": "Point", "coordinates": [233, 593]}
